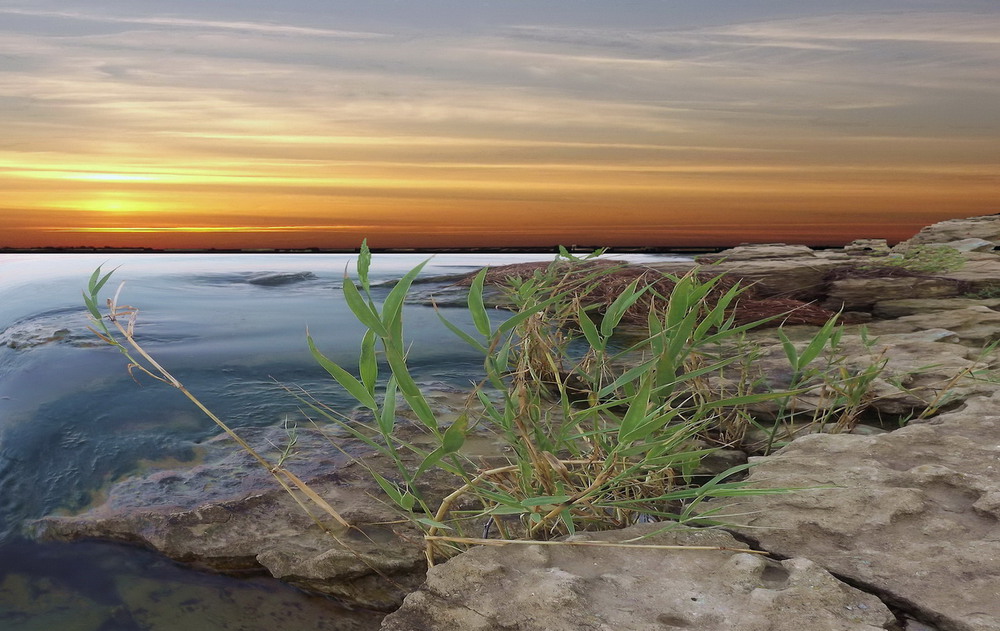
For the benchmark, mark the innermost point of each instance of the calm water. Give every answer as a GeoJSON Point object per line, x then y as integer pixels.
{"type": "Point", "coordinates": [72, 420]}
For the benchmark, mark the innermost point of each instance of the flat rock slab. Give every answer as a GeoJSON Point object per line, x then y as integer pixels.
{"type": "Point", "coordinates": [888, 309]}
{"type": "Point", "coordinates": [228, 515]}
{"type": "Point", "coordinates": [915, 515]}
{"type": "Point", "coordinates": [568, 588]}
{"type": "Point", "coordinates": [986, 227]}
{"type": "Point", "coordinates": [976, 326]}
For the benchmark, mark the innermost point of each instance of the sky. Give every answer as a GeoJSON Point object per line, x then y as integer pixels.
{"type": "Point", "coordinates": [513, 123]}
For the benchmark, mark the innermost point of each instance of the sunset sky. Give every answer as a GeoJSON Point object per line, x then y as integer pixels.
{"type": "Point", "coordinates": [316, 123]}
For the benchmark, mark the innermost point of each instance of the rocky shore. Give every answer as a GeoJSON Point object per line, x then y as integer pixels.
{"type": "Point", "coordinates": [901, 530]}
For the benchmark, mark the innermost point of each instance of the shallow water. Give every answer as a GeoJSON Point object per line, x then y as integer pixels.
{"type": "Point", "coordinates": [230, 327]}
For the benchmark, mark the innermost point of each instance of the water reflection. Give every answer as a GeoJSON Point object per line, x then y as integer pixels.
{"type": "Point", "coordinates": [104, 587]}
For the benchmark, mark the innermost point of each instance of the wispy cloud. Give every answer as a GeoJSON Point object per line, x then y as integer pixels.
{"type": "Point", "coordinates": [175, 23]}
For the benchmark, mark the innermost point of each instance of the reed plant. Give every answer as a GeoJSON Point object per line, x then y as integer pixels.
{"type": "Point", "coordinates": [603, 423]}
{"type": "Point", "coordinates": [599, 432]}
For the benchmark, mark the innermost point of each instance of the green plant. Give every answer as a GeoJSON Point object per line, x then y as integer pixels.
{"type": "Point", "coordinates": [929, 259]}
{"type": "Point", "coordinates": [601, 430]}
{"type": "Point", "coordinates": [598, 437]}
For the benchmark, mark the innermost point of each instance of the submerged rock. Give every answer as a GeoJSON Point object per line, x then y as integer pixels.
{"type": "Point", "coordinates": [912, 514]}
{"type": "Point", "coordinates": [567, 588]}
{"type": "Point", "coordinates": [276, 279]}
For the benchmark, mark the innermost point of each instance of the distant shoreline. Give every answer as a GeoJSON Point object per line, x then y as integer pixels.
{"type": "Point", "coordinates": [497, 250]}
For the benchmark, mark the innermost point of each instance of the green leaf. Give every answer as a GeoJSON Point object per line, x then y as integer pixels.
{"type": "Point", "coordinates": [545, 500]}
{"type": "Point", "coordinates": [392, 309]}
{"type": "Point", "coordinates": [362, 310]}
{"type": "Point", "coordinates": [344, 378]}
{"type": "Point", "coordinates": [92, 307]}
{"type": "Point", "coordinates": [408, 387]}
{"type": "Point", "coordinates": [454, 436]}
{"type": "Point", "coordinates": [567, 520]}
{"type": "Point", "coordinates": [594, 338]}
{"type": "Point", "coordinates": [367, 364]}
{"type": "Point", "coordinates": [476, 306]}
{"type": "Point", "coordinates": [647, 427]}
{"type": "Point", "coordinates": [429, 461]}
{"type": "Point", "coordinates": [679, 303]}
{"type": "Point", "coordinates": [790, 352]}
{"type": "Point", "coordinates": [97, 282]}
{"type": "Point", "coordinates": [616, 310]}
{"type": "Point", "coordinates": [637, 413]}
{"type": "Point", "coordinates": [387, 418]}
{"type": "Point", "coordinates": [427, 521]}
{"type": "Point", "coordinates": [506, 509]}
{"type": "Point", "coordinates": [468, 339]}
{"type": "Point", "coordinates": [817, 344]}
{"type": "Point", "coordinates": [390, 489]}
{"type": "Point", "coordinates": [714, 318]}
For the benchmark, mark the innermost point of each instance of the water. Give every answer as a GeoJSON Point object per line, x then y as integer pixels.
{"type": "Point", "coordinates": [72, 419]}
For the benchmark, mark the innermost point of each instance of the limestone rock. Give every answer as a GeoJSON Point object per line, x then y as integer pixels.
{"type": "Point", "coordinates": [889, 309]}
{"type": "Point", "coordinates": [912, 514]}
{"type": "Point", "coordinates": [985, 227]}
{"type": "Point", "coordinates": [860, 294]}
{"type": "Point", "coordinates": [971, 245]}
{"type": "Point", "coordinates": [752, 251]}
{"type": "Point", "coordinates": [564, 588]}
{"type": "Point", "coordinates": [228, 515]}
{"type": "Point", "coordinates": [867, 247]}
{"type": "Point", "coordinates": [981, 273]}
{"type": "Point", "coordinates": [975, 326]}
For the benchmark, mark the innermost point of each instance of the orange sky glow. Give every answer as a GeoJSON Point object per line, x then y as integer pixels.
{"type": "Point", "coordinates": [142, 130]}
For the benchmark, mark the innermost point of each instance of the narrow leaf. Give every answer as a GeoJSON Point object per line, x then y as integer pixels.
{"type": "Point", "coordinates": [790, 352]}
{"type": "Point", "coordinates": [389, 488]}
{"type": "Point", "coordinates": [476, 306]}
{"type": "Point", "coordinates": [818, 343]}
{"type": "Point", "coordinates": [344, 378]}
{"type": "Point", "coordinates": [392, 309]}
{"type": "Point", "coordinates": [468, 339]}
{"type": "Point", "coordinates": [427, 521]}
{"type": "Point", "coordinates": [387, 418]}
{"type": "Point", "coordinates": [594, 338]}
{"type": "Point", "coordinates": [429, 461]}
{"type": "Point", "coordinates": [367, 364]}
{"type": "Point", "coordinates": [637, 413]}
{"type": "Point", "coordinates": [454, 436]}
{"type": "Point", "coordinates": [362, 310]}
{"type": "Point", "coordinates": [616, 310]}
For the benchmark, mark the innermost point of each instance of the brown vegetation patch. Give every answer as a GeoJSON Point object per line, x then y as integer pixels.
{"type": "Point", "coordinates": [615, 277]}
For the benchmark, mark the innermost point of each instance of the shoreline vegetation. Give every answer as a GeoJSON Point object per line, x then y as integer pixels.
{"type": "Point", "coordinates": [604, 431]}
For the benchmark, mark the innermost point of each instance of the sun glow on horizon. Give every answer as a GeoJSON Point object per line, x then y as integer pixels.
{"type": "Point", "coordinates": [626, 126]}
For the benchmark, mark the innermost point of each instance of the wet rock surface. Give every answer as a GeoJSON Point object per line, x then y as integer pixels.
{"type": "Point", "coordinates": [229, 515]}
{"type": "Point", "coordinates": [563, 588]}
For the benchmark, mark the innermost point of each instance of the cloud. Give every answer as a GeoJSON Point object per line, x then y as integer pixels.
{"type": "Point", "coordinates": [520, 111]}
{"type": "Point", "coordinates": [176, 23]}
{"type": "Point", "coordinates": [916, 27]}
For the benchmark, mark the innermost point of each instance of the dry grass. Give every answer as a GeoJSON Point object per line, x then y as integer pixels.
{"type": "Point", "coordinates": [618, 276]}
